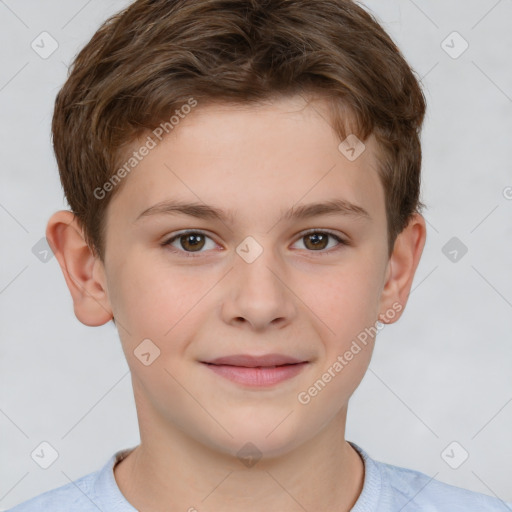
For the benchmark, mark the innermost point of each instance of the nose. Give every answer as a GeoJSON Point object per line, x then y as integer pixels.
{"type": "Point", "coordinates": [259, 294]}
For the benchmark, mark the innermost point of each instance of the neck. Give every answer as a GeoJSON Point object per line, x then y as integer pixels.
{"type": "Point", "coordinates": [170, 470]}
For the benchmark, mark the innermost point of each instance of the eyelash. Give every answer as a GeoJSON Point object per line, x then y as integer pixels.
{"type": "Point", "coordinates": [189, 254]}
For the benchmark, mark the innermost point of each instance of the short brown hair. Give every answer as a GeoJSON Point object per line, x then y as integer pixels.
{"type": "Point", "coordinates": [148, 60]}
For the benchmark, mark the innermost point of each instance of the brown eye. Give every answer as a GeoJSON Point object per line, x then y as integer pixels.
{"type": "Point", "coordinates": [190, 243]}
{"type": "Point", "coordinates": [320, 242]}
{"type": "Point", "coordinates": [316, 241]}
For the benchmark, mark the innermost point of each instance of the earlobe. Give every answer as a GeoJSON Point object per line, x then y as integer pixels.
{"type": "Point", "coordinates": [401, 269]}
{"type": "Point", "coordinates": [83, 271]}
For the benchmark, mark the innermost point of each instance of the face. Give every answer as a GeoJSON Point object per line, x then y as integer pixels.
{"type": "Point", "coordinates": [260, 272]}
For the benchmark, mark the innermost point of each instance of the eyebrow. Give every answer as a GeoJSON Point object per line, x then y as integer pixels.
{"type": "Point", "coordinates": [208, 212]}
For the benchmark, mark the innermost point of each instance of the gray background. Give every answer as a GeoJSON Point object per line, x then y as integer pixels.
{"type": "Point", "coordinates": [441, 374]}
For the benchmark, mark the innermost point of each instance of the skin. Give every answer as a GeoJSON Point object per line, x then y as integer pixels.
{"type": "Point", "coordinates": [294, 299]}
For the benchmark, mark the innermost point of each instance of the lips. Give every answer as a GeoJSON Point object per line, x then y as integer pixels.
{"type": "Point", "coordinates": [248, 361]}
{"type": "Point", "coordinates": [256, 372]}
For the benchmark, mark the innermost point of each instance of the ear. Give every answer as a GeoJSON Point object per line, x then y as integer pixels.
{"type": "Point", "coordinates": [401, 268]}
{"type": "Point", "coordinates": [83, 271]}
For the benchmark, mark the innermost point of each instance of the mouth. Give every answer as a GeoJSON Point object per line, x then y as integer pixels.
{"type": "Point", "coordinates": [252, 361]}
{"type": "Point", "coordinates": [256, 371]}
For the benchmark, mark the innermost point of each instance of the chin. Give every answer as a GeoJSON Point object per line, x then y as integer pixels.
{"type": "Point", "coordinates": [259, 439]}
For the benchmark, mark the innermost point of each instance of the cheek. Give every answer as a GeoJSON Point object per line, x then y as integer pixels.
{"type": "Point", "coordinates": [348, 312]}
{"type": "Point", "coordinates": [154, 301]}
{"type": "Point", "coordinates": [346, 301]}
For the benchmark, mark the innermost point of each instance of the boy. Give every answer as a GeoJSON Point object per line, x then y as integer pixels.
{"type": "Point", "coordinates": [244, 182]}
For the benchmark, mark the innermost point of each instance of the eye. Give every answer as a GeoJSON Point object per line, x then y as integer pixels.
{"type": "Point", "coordinates": [190, 242]}
{"type": "Point", "coordinates": [318, 241]}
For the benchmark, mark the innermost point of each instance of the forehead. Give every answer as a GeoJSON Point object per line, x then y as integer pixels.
{"type": "Point", "coordinates": [252, 161]}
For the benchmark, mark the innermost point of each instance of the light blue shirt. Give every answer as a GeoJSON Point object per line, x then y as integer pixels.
{"type": "Point", "coordinates": [386, 488]}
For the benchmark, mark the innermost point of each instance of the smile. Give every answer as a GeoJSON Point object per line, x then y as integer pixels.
{"type": "Point", "coordinates": [257, 376]}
